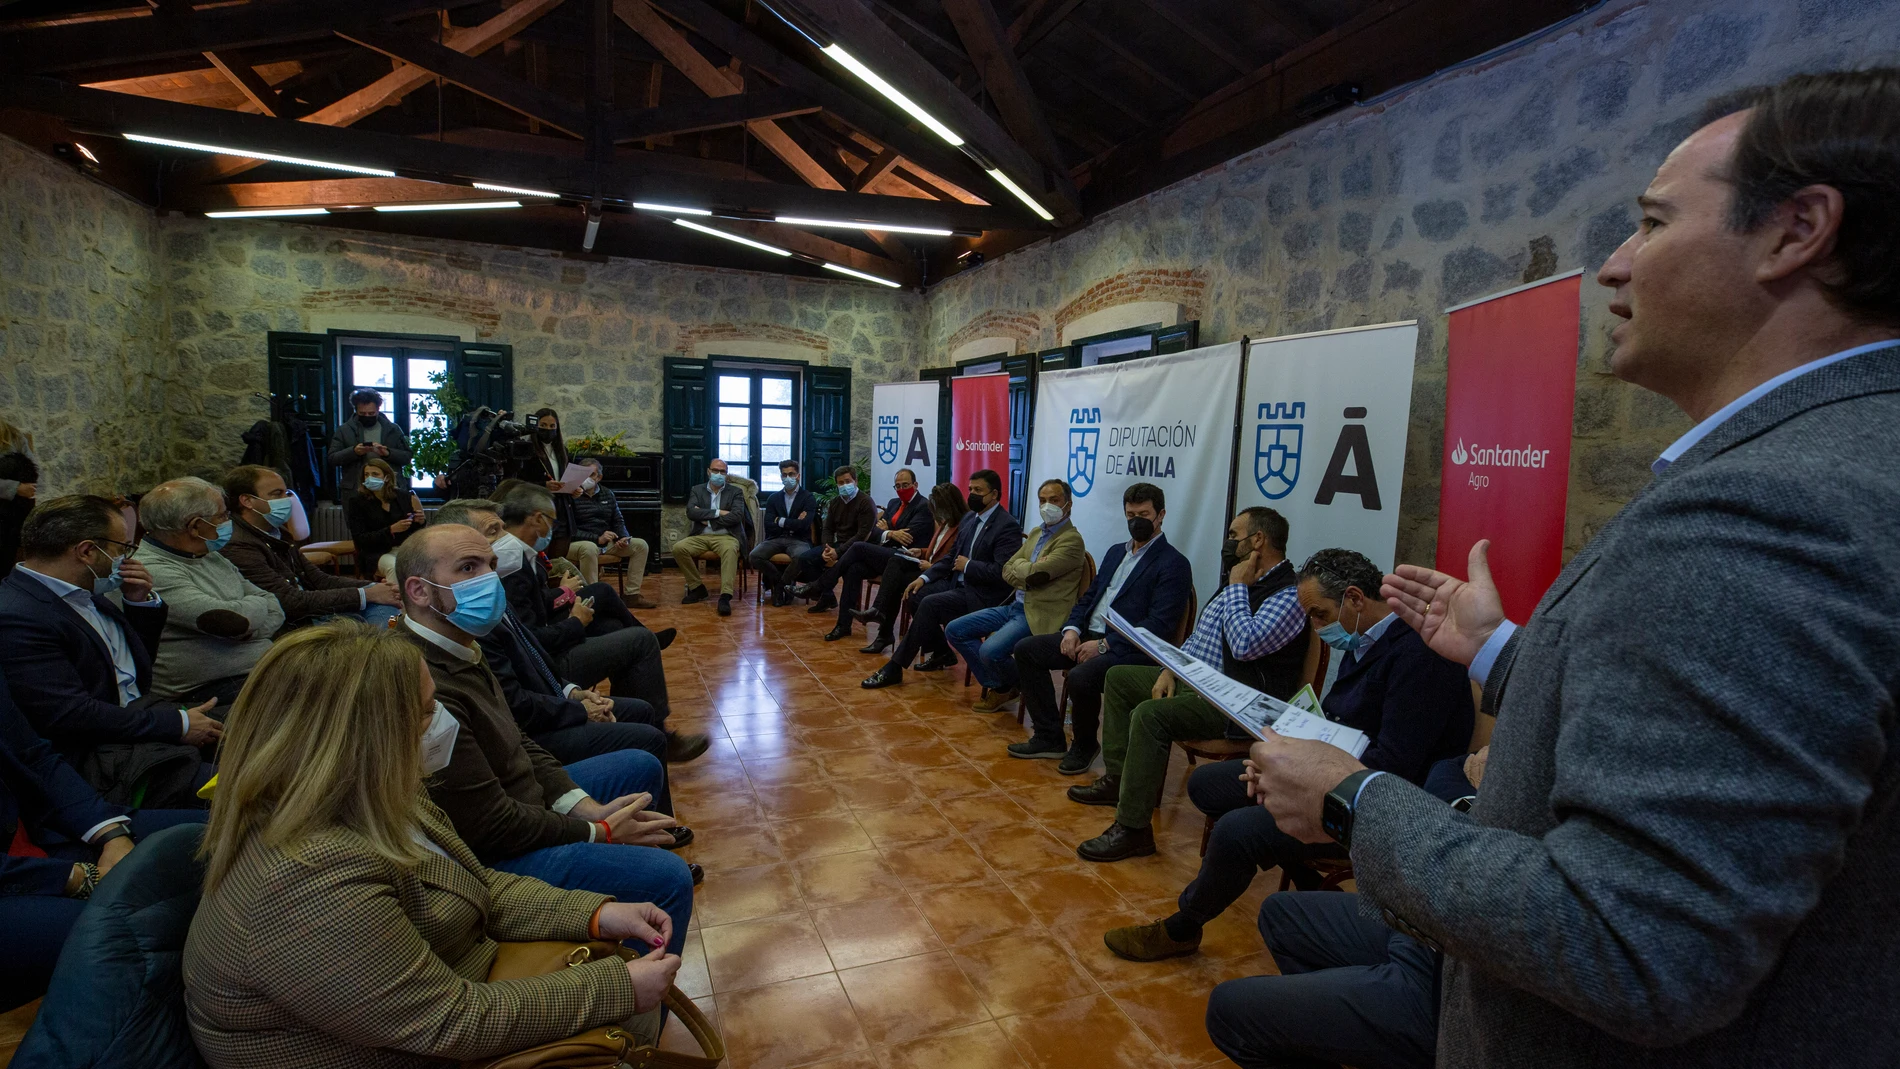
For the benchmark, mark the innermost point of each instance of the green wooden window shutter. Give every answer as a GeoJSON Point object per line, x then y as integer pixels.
{"type": "Point", "coordinates": [827, 420]}
{"type": "Point", "coordinates": [686, 414]}
{"type": "Point", "coordinates": [302, 370]}
{"type": "Point", "coordinates": [1022, 407]}
{"type": "Point", "coordinates": [1178, 339]}
{"type": "Point", "coordinates": [941, 376]}
{"type": "Point", "coordinates": [485, 373]}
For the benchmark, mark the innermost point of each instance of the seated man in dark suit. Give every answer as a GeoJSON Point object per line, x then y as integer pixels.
{"type": "Point", "coordinates": [590, 634]}
{"type": "Point", "coordinates": [791, 515]}
{"type": "Point", "coordinates": [965, 580]}
{"type": "Point", "coordinates": [81, 666]}
{"type": "Point", "coordinates": [849, 519]}
{"type": "Point", "coordinates": [1254, 630]}
{"type": "Point", "coordinates": [1147, 581]}
{"type": "Point", "coordinates": [64, 839]}
{"type": "Point", "coordinates": [1414, 705]}
{"type": "Point", "coordinates": [907, 523]}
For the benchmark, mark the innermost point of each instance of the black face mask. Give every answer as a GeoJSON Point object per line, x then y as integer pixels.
{"type": "Point", "coordinates": [1229, 558]}
{"type": "Point", "coordinates": [977, 504]}
{"type": "Point", "coordinates": [367, 421]}
{"type": "Point", "coordinates": [1141, 528]}
{"type": "Point", "coordinates": [544, 433]}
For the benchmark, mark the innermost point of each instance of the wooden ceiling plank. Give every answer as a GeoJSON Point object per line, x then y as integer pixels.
{"type": "Point", "coordinates": [250, 83]}
{"type": "Point", "coordinates": [985, 41]}
{"type": "Point", "coordinates": [1137, 62]}
{"type": "Point", "coordinates": [1181, 21]}
{"type": "Point", "coordinates": [874, 170]}
{"type": "Point", "coordinates": [1025, 33]}
{"type": "Point", "coordinates": [786, 237]}
{"type": "Point", "coordinates": [713, 113]}
{"type": "Point", "coordinates": [483, 79]}
{"type": "Point", "coordinates": [321, 193]}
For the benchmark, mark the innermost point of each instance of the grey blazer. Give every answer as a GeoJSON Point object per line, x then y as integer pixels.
{"type": "Point", "coordinates": [737, 521]}
{"type": "Point", "coordinates": [1687, 848]}
{"type": "Point", "coordinates": [346, 437]}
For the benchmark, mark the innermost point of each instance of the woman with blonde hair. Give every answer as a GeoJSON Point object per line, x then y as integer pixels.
{"type": "Point", "coordinates": [343, 922]}
{"type": "Point", "coordinates": [381, 515]}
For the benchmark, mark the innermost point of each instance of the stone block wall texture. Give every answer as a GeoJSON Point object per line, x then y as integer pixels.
{"type": "Point", "coordinates": [130, 345]}
{"type": "Point", "coordinates": [1511, 169]}
{"type": "Point", "coordinates": [83, 350]}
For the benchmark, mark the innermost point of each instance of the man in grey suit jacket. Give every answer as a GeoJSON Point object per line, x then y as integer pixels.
{"type": "Point", "coordinates": [1687, 846]}
{"type": "Point", "coordinates": [721, 523]}
{"type": "Point", "coordinates": [369, 434]}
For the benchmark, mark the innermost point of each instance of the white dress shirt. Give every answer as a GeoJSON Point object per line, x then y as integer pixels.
{"type": "Point", "coordinates": [80, 601]}
{"type": "Point", "coordinates": [1098, 619]}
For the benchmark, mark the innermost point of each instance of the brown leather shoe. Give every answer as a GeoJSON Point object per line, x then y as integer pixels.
{"type": "Point", "coordinates": [641, 601]}
{"type": "Point", "coordinates": [995, 701]}
{"type": "Point", "coordinates": [1106, 790]}
{"type": "Point", "coordinates": [1147, 942]}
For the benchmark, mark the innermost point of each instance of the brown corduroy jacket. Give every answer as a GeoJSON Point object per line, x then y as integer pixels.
{"type": "Point", "coordinates": [338, 957]}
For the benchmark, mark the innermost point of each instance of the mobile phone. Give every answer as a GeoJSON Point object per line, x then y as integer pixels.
{"type": "Point", "coordinates": [589, 602]}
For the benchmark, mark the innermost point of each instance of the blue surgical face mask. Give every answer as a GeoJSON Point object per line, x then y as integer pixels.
{"type": "Point", "coordinates": [716, 479]}
{"type": "Point", "coordinates": [847, 490]}
{"type": "Point", "coordinates": [374, 482]}
{"type": "Point", "coordinates": [280, 511]}
{"type": "Point", "coordinates": [1336, 636]}
{"type": "Point", "coordinates": [541, 544]}
{"type": "Point", "coordinates": [213, 545]}
{"type": "Point", "coordinates": [112, 580]}
{"type": "Point", "coordinates": [479, 603]}
{"type": "Point", "coordinates": [791, 484]}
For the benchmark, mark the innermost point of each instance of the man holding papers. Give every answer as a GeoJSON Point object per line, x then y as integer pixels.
{"type": "Point", "coordinates": [1412, 704]}
{"type": "Point", "coordinates": [1253, 629]}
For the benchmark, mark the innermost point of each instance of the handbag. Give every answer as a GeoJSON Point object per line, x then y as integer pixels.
{"type": "Point", "coordinates": [608, 1047]}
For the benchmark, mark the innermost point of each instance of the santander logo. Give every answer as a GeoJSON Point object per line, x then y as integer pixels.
{"type": "Point", "coordinates": [1499, 456]}
{"type": "Point", "coordinates": [968, 445]}
{"type": "Point", "coordinates": [1458, 455]}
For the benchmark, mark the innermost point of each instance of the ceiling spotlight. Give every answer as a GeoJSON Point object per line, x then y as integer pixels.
{"type": "Point", "coordinates": [450, 206]}
{"type": "Point", "coordinates": [260, 213]}
{"type": "Point", "coordinates": [593, 227]}
{"type": "Point", "coordinates": [86, 152]}
{"type": "Point", "coordinates": [794, 220]}
{"type": "Point", "coordinates": [251, 154]}
{"type": "Point", "coordinates": [850, 62]}
{"type": "Point", "coordinates": [862, 275]}
{"type": "Point", "coordinates": [760, 245]}
{"type": "Point", "coordinates": [1021, 194]}
{"type": "Point", "coordinates": [517, 190]}
{"type": "Point", "coordinates": [670, 209]}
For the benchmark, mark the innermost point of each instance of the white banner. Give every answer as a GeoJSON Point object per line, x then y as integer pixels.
{"type": "Point", "coordinates": [1166, 420]}
{"type": "Point", "coordinates": [905, 417]}
{"type": "Point", "coordinates": [1322, 436]}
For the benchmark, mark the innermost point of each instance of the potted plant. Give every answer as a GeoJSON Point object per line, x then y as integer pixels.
{"type": "Point", "coordinates": [432, 448]}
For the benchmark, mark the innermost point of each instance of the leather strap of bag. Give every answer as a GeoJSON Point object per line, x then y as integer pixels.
{"type": "Point", "coordinates": [610, 1047]}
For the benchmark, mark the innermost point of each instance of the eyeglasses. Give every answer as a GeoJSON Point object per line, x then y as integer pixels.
{"type": "Point", "coordinates": [129, 546]}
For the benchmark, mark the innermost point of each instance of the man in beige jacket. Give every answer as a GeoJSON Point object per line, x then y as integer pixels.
{"type": "Point", "coordinates": [1048, 573]}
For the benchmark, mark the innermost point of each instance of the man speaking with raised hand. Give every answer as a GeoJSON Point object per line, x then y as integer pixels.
{"type": "Point", "coordinates": [1686, 849]}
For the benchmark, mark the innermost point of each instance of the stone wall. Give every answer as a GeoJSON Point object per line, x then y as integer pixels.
{"type": "Point", "coordinates": [83, 347]}
{"type": "Point", "coordinates": [1511, 169]}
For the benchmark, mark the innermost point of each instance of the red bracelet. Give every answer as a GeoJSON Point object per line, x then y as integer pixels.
{"type": "Point", "coordinates": [593, 922]}
{"type": "Point", "coordinates": [606, 833]}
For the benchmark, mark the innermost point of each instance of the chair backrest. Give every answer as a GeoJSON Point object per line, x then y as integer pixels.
{"type": "Point", "coordinates": [1188, 616]}
{"type": "Point", "coordinates": [117, 998]}
{"type": "Point", "coordinates": [751, 491]}
{"type": "Point", "coordinates": [1318, 656]}
{"type": "Point", "coordinates": [1088, 574]}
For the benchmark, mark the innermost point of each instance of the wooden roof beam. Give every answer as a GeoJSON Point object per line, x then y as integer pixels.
{"type": "Point", "coordinates": [988, 47]}
{"type": "Point", "coordinates": [250, 83]}
{"type": "Point", "coordinates": [484, 80]}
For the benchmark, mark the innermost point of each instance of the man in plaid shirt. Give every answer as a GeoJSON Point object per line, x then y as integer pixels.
{"type": "Point", "coordinates": [1256, 632]}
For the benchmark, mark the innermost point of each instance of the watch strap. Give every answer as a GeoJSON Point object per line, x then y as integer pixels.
{"type": "Point", "coordinates": [1340, 803]}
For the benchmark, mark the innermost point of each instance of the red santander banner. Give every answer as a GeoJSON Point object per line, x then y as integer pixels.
{"type": "Point", "coordinates": [1510, 397]}
{"type": "Point", "coordinates": [979, 427]}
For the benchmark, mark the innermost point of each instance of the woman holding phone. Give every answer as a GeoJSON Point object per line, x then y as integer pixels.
{"type": "Point", "coordinates": [381, 514]}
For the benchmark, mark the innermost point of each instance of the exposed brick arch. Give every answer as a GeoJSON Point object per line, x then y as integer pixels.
{"type": "Point", "coordinates": [1185, 287]}
{"type": "Point", "coordinates": [1022, 326]}
{"type": "Point", "coordinates": [690, 336]}
{"type": "Point", "coordinates": [477, 310]}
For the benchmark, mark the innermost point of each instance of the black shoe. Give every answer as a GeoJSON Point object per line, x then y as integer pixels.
{"type": "Point", "coordinates": [725, 604]}
{"type": "Point", "coordinates": [1106, 790]}
{"type": "Point", "coordinates": [888, 676]}
{"type": "Point", "coordinates": [1030, 748]}
{"type": "Point", "coordinates": [681, 836]}
{"type": "Point", "coordinates": [699, 874]}
{"type": "Point", "coordinates": [1077, 760]}
{"type": "Point", "coordinates": [683, 748]}
{"type": "Point", "coordinates": [836, 633]}
{"type": "Point", "coordinates": [1118, 843]}
{"type": "Point", "coordinates": [826, 603]}
{"type": "Point", "coordinates": [665, 637]}
{"type": "Point", "coordinates": [933, 662]}
{"type": "Point", "coordinates": [781, 597]}
{"type": "Point", "coordinates": [865, 616]}
{"type": "Point", "coordinates": [695, 595]}
{"type": "Point", "coordinates": [881, 644]}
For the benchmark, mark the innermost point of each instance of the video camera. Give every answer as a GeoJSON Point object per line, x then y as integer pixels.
{"type": "Point", "coordinates": [487, 443]}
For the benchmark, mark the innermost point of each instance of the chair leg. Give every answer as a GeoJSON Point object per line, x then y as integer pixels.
{"type": "Point", "coordinates": [1207, 829]}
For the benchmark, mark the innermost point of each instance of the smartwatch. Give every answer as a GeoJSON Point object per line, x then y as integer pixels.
{"type": "Point", "coordinates": [1336, 814]}
{"type": "Point", "coordinates": [111, 832]}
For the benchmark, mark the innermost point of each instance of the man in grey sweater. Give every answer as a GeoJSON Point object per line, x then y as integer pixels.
{"type": "Point", "coordinates": [1686, 847]}
{"type": "Point", "coordinates": [219, 623]}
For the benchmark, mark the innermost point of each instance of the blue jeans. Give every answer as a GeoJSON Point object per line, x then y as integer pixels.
{"type": "Point", "coordinates": [989, 657]}
{"type": "Point", "coordinates": [629, 873]}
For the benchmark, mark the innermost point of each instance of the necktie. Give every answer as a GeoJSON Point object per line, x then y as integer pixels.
{"type": "Point", "coordinates": [526, 641]}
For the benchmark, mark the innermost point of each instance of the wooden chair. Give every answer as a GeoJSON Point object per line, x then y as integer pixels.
{"type": "Point", "coordinates": [1192, 610]}
{"type": "Point", "coordinates": [1333, 871]}
{"type": "Point", "coordinates": [780, 561]}
{"type": "Point", "coordinates": [330, 554]}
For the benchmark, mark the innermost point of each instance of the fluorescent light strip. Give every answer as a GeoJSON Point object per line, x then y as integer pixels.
{"type": "Point", "coordinates": [850, 62]}
{"type": "Point", "coordinates": [514, 189]}
{"type": "Point", "coordinates": [1021, 194]}
{"type": "Point", "coordinates": [450, 206]}
{"type": "Point", "coordinates": [763, 247]}
{"type": "Point", "coordinates": [670, 209]}
{"type": "Point", "coordinates": [794, 220]}
{"type": "Point", "coordinates": [259, 213]}
{"type": "Point", "coordinates": [253, 155]}
{"type": "Point", "coordinates": [862, 275]}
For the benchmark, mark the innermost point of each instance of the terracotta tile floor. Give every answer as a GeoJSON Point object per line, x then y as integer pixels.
{"type": "Point", "coordinates": [885, 887]}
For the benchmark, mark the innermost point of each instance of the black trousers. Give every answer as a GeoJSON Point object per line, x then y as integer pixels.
{"type": "Point", "coordinates": [938, 603]}
{"type": "Point", "coordinates": [627, 657]}
{"type": "Point", "coordinates": [1350, 991]}
{"type": "Point", "coordinates": [637, 726]}
{"type": "Point", "coordinates": [899, 571]}
{"type": "Point", "coordinates": [1036, 657]}
{"type": "Point", "coordinates": [1245, 841]}
{"type": "Point", "coordinates": [859, 563]}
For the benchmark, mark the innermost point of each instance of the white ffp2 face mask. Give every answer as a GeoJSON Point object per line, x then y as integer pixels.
{"type": "Point", "coordinates": [438, 742]}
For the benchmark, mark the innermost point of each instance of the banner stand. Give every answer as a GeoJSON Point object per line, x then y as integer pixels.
{"type": "Point", "coordinates": [1240, 420]}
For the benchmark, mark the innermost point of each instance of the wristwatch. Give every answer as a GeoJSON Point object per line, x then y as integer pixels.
{"type": "Point", "coordinates": [1336, 815]}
